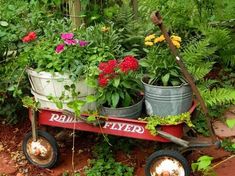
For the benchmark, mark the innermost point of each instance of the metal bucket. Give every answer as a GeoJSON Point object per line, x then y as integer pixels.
{"type": "Point", "coordinates": [131, 112]}
{"type": "Point", "coordinates": [45, 84]}
{"type": "Point", "coordinates": [167, 100]}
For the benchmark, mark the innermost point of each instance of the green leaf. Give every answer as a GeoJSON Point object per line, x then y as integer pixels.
{"type": "Point", "coordinates": [204, 162]}
{"type": "Point", "coordinates": [49, 65]}
{"type": "Point", "coordinates": [91, 118]}
{"type": "Point", "coordinates": [116, 82]}
{"type": "Point", "coordinates": [233, 145]}
{"type": "Point", "coordinates": [115, 99]}
{"type": "Point", "coordinates": [146, 50]}
{"type": "Point", "coordinates": [11, 88]}
{"type": "Point", "coordinates": [205, 157]}
{"type": "Point", "coordinates": [59, 104]}
{"type": "Point", "coordinates": [165, 79]}
{"type": "Point", "coordinates": [108, 97]}
{"type": "Point", "coordinates": [90, 98]}
{"type": "Point", "coordinates": [127, 100]}
{"type": "Point", "coordinates": [66, 87]}
{"type": "Point", "coordinates": [121, 94]}
{"type": "Point", "coordinates": [194, 166]}
{"type": "Point", "coordinates": [230, 123]}
{"type": "Point", "coordinates": [144, 63]}
{"type": "Point", "coordinates": [126, 84]}
{"type": "Point", "coordinates": [73, 86]}
{"type": "Point", "coordinates": [3, 23]}
{"type": "Point", "coordinates": [203, 165]}
{"type": "Point", "coordinates": [174, 73]}
{"type": "Point", "coordinates": [175, 83]}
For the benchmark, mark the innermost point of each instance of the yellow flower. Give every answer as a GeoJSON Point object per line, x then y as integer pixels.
{"type": "Point", "coordinates": [105, 29]}
{"type": "Point", "coordinates": [176, 38]}
{"type": "Point", "coordinates": [149, 38]}
{"type": "Point", "coordinates": [176, 43]}
{"type": "Point", "coordinates": [148, 43]}
{"type": "Point", "coordinates": [159, 39]}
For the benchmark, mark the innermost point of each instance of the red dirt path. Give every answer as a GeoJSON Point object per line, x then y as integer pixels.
{"type": "Point", "coordinates": [13, 162]}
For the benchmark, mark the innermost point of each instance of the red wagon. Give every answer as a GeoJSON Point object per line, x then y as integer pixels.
{"type": "Point", "coordinates": [42, 150]}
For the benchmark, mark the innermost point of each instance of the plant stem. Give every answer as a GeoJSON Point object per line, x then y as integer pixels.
{"type": "Point", "coordinates": [21, 75]}
{"type": "Point", "coordinates": [73, 150]}
{"type": "Point", "coordinates": [223, 161]}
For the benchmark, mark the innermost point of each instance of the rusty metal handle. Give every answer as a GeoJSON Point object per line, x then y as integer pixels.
{"type": "Point", "coordinates": [158, 21]}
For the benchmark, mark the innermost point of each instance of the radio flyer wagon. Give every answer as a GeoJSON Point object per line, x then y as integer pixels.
{"type": "Point", "coordinates": [41, 149]}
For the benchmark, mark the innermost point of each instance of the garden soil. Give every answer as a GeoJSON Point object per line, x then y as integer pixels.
{"type": "Point", "coordinates": [14, 163]}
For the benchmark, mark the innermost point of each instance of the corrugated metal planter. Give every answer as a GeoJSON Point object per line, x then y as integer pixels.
{"type": "Point", "coordinates": [132, 112]}
{"type": "Point", "coordinates": [167, 100]}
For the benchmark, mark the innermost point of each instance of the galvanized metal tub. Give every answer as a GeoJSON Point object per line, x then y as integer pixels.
{"type": "Point", "coordinates": [167, 100]}
{"type": "Point", "coordinates": [131, 112]}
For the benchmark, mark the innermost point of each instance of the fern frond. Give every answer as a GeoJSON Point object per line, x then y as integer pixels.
{"type": "Point", "coordinates": [217, 36]}
{"type": "Point", "coordinates": [227, 55]}
{"type": "Point", "coordinates": [197, 51]}
{"type": "Point", "coordinates": [218, 96]}
{"type": "Point", "coordinates": [208, 84]}
{"type": "Point", "coordinates": [199, 71]}
{"type": "Point", "coordinates": [197, 56]}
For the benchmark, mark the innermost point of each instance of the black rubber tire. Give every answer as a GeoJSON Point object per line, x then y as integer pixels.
{"type": "Point", "coordinates": [51, 140]}
{"type": "Point", "coordinates": [167, 153]}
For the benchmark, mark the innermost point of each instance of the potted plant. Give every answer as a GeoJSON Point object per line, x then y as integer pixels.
{"type": "Point", "coordinates": [119, 88]}
{"type": "Point", "coordinates": [54, 62]}
{"type": "Point", "coordinates": [166, 91]}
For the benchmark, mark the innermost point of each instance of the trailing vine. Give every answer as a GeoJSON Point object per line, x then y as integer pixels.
{"type": "Point", "coordinates": [154, 121]}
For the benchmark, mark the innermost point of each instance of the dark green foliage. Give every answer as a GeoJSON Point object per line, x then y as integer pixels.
{"type": "Point", "coordinates": [16, 20]}
{"type": "Point", "coordinates": [200, 123]}
{"type": "Point", "coordinates": [104, 163]}
{"type": "Point", "coordinates": [228, 145]}
{"type": "Point", "coordinates": [97, 11]}
{"type": "Point", "coordinates": [131, 31]}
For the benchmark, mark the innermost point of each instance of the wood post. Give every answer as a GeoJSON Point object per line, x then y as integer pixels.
{"type": "Point", "coordinates": [74, 12]}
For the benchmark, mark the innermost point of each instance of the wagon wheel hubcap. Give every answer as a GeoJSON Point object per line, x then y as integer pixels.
{"type": "Point", "coordinates": [166, 166]}
{"type": "Point", "coordinates": [41, 151]}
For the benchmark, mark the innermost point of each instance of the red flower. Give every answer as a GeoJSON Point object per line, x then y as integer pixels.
{"type": "Point", "coordinates": [32, 35]}
{"type": "Point", "coordinates": [103, 81]}
{"type": "Point", "coordinates": [26, 39]}
{"type": "Point", "coordinates": [29, 37]}
{"type": "Point", "coordinates": [108, 67]}
{"type": "Point", "coordinates": [102, 65]}
{"type": "Point", "coordinates": [112, 63]}
{"type": "Point", "coordinates": [129, 63]}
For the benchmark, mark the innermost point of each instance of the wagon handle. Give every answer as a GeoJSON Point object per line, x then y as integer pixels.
{"type": "Point", "coordinates": [158, 21]}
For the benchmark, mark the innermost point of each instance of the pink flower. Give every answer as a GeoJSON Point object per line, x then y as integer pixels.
{"type": "Point", "coordinates": [82, 43]}
{"type": "Point", "coordinates": [59, 48]}
{"type": "Point", "coordinates": [65, 36]}
{"type": "Point", "coordinates": [70, 42]}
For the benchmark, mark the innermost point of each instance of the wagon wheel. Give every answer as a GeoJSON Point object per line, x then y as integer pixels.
{"type": "Point", "coordinates": [167, 163]}
{"type": "Point", "coordinates": [44, 152]}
